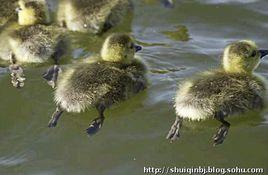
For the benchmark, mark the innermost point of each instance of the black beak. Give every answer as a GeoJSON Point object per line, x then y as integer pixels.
{"type": "Point", "coordinates": [137, 48]}
{"type": "Point", "coordinates": [263, 53]}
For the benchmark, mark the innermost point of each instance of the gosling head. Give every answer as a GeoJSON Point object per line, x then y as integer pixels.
{"type": "Point", "coordinates": [119, 48]}
{"type": "Point", "coordinates": [242, 57]}
{"type": "Point", "coordinates": [33, 12]}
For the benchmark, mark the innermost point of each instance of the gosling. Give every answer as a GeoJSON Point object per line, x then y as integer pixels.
{"type": "Point", "coordinates": [112, 77]}
{"type": "Point", "coordinates": [90, 15]}
{"type": "Point", "coordinates": [232, 89]}
{"type": "Point", "coordinates": [32, 41]}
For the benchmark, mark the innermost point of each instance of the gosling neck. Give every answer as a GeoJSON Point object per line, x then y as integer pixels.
{"type": "Point", "coordinates": [113, 55]}
{"type": "Point", "coordinates": [117, 59]}
{"type": "Point", "coordinates": [236, 69]}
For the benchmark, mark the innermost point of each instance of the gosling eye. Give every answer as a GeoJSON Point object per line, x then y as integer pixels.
{"type": "Point", "coordinates": [254, 53]}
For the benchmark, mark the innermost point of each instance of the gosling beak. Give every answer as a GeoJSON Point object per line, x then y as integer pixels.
{"type": "Point", "coordinates": [263, 53]}
{"type": "Point", "coordinates": [137, 48]}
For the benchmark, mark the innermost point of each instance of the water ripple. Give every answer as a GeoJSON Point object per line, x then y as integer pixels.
{"type": "Point", "coordinates": [13, 160]}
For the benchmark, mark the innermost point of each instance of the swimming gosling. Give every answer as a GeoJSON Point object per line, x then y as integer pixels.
{"type": "Point", "coordinates": [112, 77]}
{"type": "Point", "coordinates": [93, 16]}
{"type": "Point", "coordinates": [32, 41]}
{"type": "Point", "coordinates": [217, 94]}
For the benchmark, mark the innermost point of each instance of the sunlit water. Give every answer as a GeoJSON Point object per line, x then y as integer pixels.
{"type": "Point", "coordinates": [177, 43]}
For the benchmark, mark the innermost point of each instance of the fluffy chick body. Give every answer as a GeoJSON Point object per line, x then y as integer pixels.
{"type": "Point", "coordinates": [213, 91]}
{"type": "Point", "coordinates": [99, 83]}
{"type": "Point", "coordinates": [91, 15]}
{"type": "Point", "coordinates": [36, 43]}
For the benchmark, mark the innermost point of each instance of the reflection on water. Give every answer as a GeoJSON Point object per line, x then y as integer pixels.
{"type": "Point", "coordinates": [180, 33]}
{"type": "Point", "coordinates": [12, 161]}
{"type": "Point", "coordinates": [133, 135]}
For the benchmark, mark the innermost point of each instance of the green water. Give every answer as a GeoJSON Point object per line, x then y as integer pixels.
{"type": "Point", "coordinates": [177, 43]}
